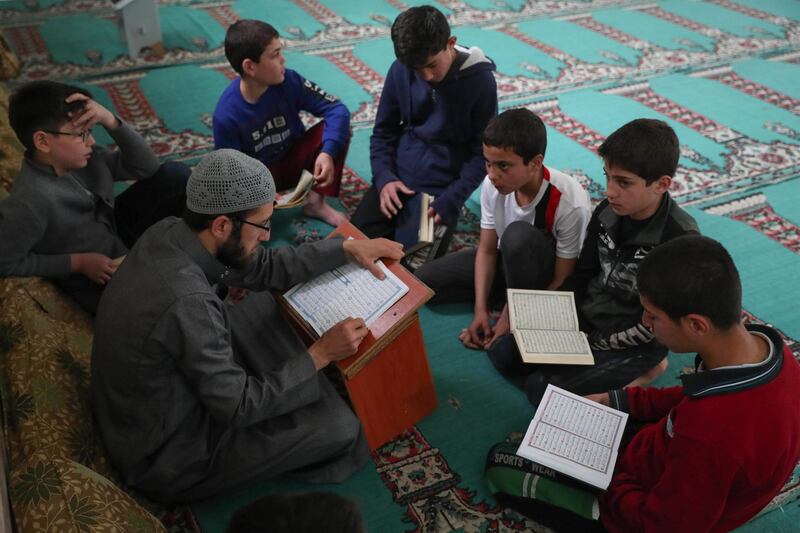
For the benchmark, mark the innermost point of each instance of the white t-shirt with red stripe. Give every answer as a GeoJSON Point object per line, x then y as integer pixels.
{"type": "Point", "coordinates": [566, 211]}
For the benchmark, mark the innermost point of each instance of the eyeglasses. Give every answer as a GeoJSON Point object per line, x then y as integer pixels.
{"type": "Point", "coordinates": [265, 227]}
{"type": "Point", "coordinates": [84, 135]}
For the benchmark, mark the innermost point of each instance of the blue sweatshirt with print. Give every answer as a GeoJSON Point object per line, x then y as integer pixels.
{"type": "Point", "coordinates": [268, 128]}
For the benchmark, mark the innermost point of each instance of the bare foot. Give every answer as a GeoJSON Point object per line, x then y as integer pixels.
{"type": "Point", "coordinates": [650, 376]}
{"type": "Point", "coordinates": [318, 208]}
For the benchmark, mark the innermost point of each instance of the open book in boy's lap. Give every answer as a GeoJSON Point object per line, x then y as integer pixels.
{"type": "Point", "coordinates": [545, 327]}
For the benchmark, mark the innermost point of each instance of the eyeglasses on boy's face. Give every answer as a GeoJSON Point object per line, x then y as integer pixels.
{"type": "Point", "coordinates": [84, 135]}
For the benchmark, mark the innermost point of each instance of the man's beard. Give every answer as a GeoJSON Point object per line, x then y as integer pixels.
{"type": "Point", "coordinates": [232, 253]}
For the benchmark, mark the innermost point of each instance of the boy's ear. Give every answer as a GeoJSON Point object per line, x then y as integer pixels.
{"type": "Point", "coordinates": [41, 141]}
{"type": "Point", "coordinates": [247, 66]}
{"type": "Point", "coordinates": [536, 162]}
{"type": "Point", "coordinates": [663, 183]}
{"type": "Point", "coordinates": [451, 41]}
{"type": "Point", "coordinates": [698, 325]}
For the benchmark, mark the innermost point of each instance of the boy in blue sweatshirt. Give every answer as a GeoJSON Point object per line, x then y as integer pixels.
{"type": "Point", "coordinates": [258, 114]}
{"type": "Point", "coordinates": [437, 100]}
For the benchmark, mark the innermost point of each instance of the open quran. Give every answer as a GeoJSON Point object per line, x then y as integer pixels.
{"type": "Point", "coordinates": [545, 327]}
{"type": "Point", "coordinates": [575, 436]}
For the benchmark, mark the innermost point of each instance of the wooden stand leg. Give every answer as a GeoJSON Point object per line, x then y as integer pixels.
{"type": "Point", "coordinates": [395, 389]}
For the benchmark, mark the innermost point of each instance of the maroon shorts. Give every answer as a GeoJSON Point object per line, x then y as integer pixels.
{"type": "Point", "coordinates": [302, 155]}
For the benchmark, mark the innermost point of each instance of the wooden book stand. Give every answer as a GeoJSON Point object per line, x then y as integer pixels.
{"type": "Point", "coordinates": [388, 379]}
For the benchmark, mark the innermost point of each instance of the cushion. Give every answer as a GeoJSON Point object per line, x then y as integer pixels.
{"type": "Point", "coordinates": [9, 62]}
{"type": "Point", "coordinates": [10, 149]}
{"type": "Point", "coordinates": [45, 346]}
{"type": "Point", "coordinates": [55, 494]}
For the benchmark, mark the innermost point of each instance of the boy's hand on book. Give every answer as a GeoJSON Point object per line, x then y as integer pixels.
{"type": "Point", "coordinates": [601, 398]}
{"type": "Point", "coordinates": [367, 251]}
{"type": "Point", "coordinates": [339, 342]}
{"type": "Point", "coordinates": [91, 114]}
{"type": "Point", "coordinates": [97, 267]}
{"type": "Point", "coordinates": [437, 219]}
{"type": "Point", "coordinates": [390, 201]}
{"type": "Point", "coordinates": [323, 169]}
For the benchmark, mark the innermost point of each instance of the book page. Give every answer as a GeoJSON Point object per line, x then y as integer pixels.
{"type": "Point", "coordinates": [304, 185]}
{"type": "Point", "coordinates": [552, 342]}
{"type": "Point", "coordinates": [301, 190]}
{"type": "Point", "coordinates": [348, 290]}
{"type": "Point", "coordinates": [549, 310]}
{"type": "Point", "coordinates": [425, 222]}
{"type": "Point", "coordinates": [575, 436]}
{"type": "Point", "coordinates": [284, 199]}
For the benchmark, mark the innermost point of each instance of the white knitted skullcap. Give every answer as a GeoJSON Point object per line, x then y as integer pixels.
{"type": "Point", "coordinates": [227, 181]}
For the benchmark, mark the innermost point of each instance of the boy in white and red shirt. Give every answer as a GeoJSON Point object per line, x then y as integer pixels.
{"type": "Point", "coordinates": [533, 222]}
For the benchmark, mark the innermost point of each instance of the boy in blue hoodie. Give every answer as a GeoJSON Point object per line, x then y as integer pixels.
{"type": "Point", "coordinates": [437, 100]}
{"type": "Point", "coordinates": [258, 114]}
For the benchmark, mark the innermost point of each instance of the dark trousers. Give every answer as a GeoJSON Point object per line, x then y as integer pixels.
{"type": "Point", "coordinates": [526, 260]}
{"type": "Point", "coordinates": [149, 200]}
{"type": "Point", "coordinates": [302, 156]}
{"type": "Point", "coordinates": [140, 206]}
{"type": "Point", "coordinates": [612, 369]}
{"type": "Point", "coordinates": [558, 519]}
{"type": "Point", "coordinates": [369, 219]}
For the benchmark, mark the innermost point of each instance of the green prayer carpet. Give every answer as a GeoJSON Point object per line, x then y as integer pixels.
{"type": "Point", "coordinates": [724, 74]}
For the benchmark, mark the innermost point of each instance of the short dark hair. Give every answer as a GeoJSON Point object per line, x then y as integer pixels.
{"type": "Point", "coordinates": [41, 105]}
{"type": "Point", "coordinates": [692, 274]}
{"type": "Point", "coordinates": [418, 33]}
{"type": "Point", "coordinates": [247, 39]}
{"type": "Point", "coordinates": [647, 147]}
{"type": "Point", "coordinates": [298, 513]}
{"type": "Point", "coordinates": [520, 130]}
{"type": "Point", "coordinates": [201, 221]}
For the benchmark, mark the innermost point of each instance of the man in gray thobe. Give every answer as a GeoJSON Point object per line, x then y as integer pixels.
{"type": "Point", "coordinates": [194, 396]}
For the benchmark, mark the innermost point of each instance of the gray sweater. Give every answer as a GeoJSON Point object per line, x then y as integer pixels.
{"type": "Point", "coordinates": [47, 217]}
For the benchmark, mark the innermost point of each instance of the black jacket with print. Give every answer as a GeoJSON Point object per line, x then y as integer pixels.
{"type": "Point", "coordinates": [604, 279]}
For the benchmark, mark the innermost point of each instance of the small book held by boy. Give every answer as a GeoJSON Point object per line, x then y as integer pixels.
{"type": "Point", "coordinates": [421, 238]}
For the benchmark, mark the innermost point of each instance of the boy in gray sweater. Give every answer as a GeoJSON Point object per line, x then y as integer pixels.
{"type": "Point", "coordinates": [61, 220]}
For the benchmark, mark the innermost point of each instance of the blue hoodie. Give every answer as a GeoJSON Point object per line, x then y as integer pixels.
{"type": "Point", "coordinates": [429, 135]}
